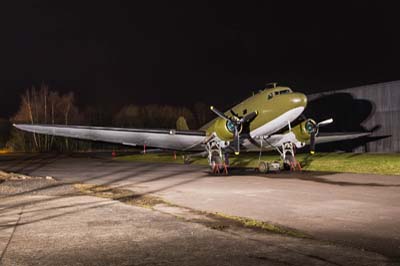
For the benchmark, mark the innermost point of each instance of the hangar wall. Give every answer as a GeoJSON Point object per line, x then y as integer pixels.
{"type": "Point", "coordinates": [383, 119]}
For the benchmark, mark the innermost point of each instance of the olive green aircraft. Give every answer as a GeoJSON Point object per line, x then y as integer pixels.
{"type": "Point", "coordinates": [259, 123]}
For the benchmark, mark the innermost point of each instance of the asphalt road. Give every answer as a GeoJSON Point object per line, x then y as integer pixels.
{"type": "Point", "coordinates": [351, 210]}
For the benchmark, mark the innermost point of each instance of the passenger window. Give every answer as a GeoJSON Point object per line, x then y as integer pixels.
{"type": "Point", "coordinates": [284, 91]}
{"type": "Point", "coordinates": [270, 96]}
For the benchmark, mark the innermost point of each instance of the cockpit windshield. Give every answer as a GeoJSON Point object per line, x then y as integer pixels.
{"type": "Point", "coordinates": [278, 92]}
{"type": "Point", "coordinates": [285, 91]}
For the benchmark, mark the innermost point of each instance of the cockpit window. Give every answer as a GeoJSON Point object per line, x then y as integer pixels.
{"type": "Point", "coordinates": [278, 92]}
{"type": "Point", "coordinates": [284, 91]}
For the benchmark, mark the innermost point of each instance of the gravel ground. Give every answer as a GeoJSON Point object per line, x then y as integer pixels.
{"type": "Point", "coordinates": [35, 187]}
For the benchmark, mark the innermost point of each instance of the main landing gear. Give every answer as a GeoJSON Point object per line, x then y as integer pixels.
{"type": "Point", "coordinates": [287, 153]}
{"type": "Point", "coordinates": [219, 163]}
{"type": "Point", "coordinates": [217, 159]}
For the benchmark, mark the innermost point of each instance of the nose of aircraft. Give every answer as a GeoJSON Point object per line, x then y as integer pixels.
{"type": "Point", "coordinates": [298, 100]}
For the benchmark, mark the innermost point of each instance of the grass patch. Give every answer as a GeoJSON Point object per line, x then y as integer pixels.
{"type": "Point", "coordinates": [123, 195]}
{"type": "Point", "coordinates": [255, 224]}
{"type": "Point", "coordinates": [369, 163]}
{"type": "Point", "coordinates": [388, 164]}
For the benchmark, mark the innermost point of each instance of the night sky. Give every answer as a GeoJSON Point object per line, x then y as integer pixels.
{"type": "Point", "coordinates": [181, 53]}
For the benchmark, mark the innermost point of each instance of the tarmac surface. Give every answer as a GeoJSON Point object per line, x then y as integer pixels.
{"type": "Point", "coordinates": [353, 219]}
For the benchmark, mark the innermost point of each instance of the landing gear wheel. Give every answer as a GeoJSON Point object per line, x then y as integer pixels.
{"type": "Point", "coordinates": [216, 157]}
{"type": "Point", "coordinates": [217, 164]}
{"type": "Point", "coordinates": [288, 161]}
{"type": "Point", "coordinates": [263, 167]}
{"type": "Point", "coordinates": [291, 163]}
{"type": "Point", "coordinates": [286, 166]}
{"type": "Point", "coordinates": [186, 159]}
{"type": "Point", "coordinates": [216, 160]}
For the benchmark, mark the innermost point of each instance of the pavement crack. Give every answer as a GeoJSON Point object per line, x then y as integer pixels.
{"type": "Point", "coordinates": [12, 234]}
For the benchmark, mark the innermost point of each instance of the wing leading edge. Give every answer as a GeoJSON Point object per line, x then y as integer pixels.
{"type": "Point", "coordinates": [332, 137]}
{"type": "Point", "coordinates": [277, 140]}
{"type": "Point", "coordinates": [157, 138]}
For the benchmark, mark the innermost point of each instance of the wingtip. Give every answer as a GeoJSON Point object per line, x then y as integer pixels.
{"type": "Point", "coordinates": [312, 152]}
{"type": "Point", "coordinates": [212, 107]}
{"type": "Point", "coordinates": [236, 153]}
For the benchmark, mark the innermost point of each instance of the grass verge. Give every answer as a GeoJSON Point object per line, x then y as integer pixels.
{"type": "Point", "coordinates": [123, 195]}
{"type": "Point", "coordinates": [368, 163]}
{"type": "Point", "coordinates": [264, 226]}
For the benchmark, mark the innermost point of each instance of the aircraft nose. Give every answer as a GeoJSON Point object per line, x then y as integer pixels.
{"type": "Point", "coordinates": [298, 100]}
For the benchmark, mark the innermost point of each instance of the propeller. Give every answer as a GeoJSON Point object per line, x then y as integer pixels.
{"type": "Point", "coordinates": [325, 122]}
{"type": "Point", "coordinates": [314, 129]}
{"type": "Point", "coordinates": [235, 124]}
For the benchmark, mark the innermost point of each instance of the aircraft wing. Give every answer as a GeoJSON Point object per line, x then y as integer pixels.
{"type": "Point", "coordinates": [157, 138]}
{"type": "Point", "coordinates": [277, 140]}
{"type": "Point", "coordinates": [332, 137]}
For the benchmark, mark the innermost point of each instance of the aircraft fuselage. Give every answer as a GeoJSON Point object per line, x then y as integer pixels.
{"type": "Point", "coordinates": [276, 107]}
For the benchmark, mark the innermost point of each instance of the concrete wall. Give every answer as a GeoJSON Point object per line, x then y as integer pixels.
{"type": "Point", "coordinates": [383, 117]}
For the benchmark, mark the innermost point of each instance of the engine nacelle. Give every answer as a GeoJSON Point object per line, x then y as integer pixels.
{"type": "Point", "coordinates": [304, 130]}
{"type": "Point", "coordinates": [224, 129]}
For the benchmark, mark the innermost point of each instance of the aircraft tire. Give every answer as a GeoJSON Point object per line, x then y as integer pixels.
{"type": "Point", "coordinates": [216, 160]}
{"type": "Point", "coordinates": [263, 167]}
{"type": "Point", "coordinates": [186, 159]}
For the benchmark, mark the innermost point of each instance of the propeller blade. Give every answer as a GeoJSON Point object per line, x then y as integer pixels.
{"type": "Point", "coordinates": [325, 122]}
{"type": "Point", "coordinates": [249, 117]}
{"type": "Point", "coordinates": [234, 114]}
{"type": "Point", "coordinates": [315, 130]}
{"type": "Point", "coordinates": [236, 141]}
{"type": "Point", "coordinates": [312, 143]}
{"type": "Point", "coordinates": [219, 113]}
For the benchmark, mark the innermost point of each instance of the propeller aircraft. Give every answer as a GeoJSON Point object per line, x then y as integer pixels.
{"type": "Point", "coordinates": [256, 124]}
